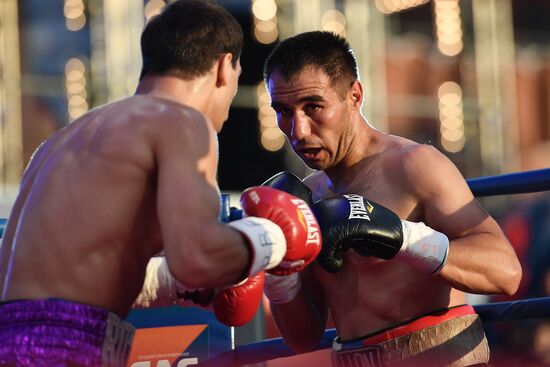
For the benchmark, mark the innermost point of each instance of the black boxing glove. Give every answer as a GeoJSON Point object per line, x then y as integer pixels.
{"type": "Point", "coordinates": [284, 181]}
{"type": "Point", "coordinates": [292, 184]}
{"type": "Point", "coordinates": [351, 221]}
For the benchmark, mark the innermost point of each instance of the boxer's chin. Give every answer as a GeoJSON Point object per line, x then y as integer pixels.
{"type": "Point", "coordinates": [314, 163]}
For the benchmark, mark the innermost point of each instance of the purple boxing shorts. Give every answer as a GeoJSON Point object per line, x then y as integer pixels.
{"type": "Point", "coordinates": [55, 332]}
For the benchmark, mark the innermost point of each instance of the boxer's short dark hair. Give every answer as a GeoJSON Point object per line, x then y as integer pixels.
{"type": "Point", "coordinates": [187, 37]}
{"type": "Point", "coordinates": [324, 50]}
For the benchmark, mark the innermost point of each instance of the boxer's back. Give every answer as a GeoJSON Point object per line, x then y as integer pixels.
{"type": "Point", "coordinates": [86, 212]}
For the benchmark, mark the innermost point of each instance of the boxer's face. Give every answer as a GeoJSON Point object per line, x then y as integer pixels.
{"type": "Point", "coordinates": [313, 115]}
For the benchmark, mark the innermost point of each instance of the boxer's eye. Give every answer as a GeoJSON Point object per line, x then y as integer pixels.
{"type": "Point", "coordinates": [312, 108]}
{"type": "Point", "coordinates": [282, 111]}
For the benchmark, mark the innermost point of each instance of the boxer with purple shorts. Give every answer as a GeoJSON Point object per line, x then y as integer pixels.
{"type": "Point", "coordinates": [123, 183]}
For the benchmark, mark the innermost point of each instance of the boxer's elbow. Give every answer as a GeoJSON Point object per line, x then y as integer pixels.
{"type": "Point", "coordinates": [503, 278]}
{"type": "Point", "coordinates": [500, 271]}
{"type": "Point", "coordinates": [511, 278]}
{"type": "Point", "coordinates": [303, 340]}
{"type": "Point", "coordinates": [300, 323]}
{"type": "Point", "coordinates": [510, 272]}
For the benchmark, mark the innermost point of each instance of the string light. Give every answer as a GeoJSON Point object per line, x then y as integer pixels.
{"type": "Point", "coordinates": [333, 20]}
{"type": "Point", "coordinates": [448, 27]}
{"type": "Point", "coordinates": [451, 117]}
{"type": "Point", "coordinates": [153, 7]}
{"type": "Point", "coordinates": [393, 6]}
{"type": "Point", "coordinates": [75, 86]}
{"type": "Point", "coordinates": [75, 18]}
{"type": "Point", "coordinates": [271, 138]}
{"type": "Point", "coordinates": [264, 20]}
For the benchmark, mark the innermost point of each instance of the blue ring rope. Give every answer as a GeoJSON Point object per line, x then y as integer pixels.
{"type": "Point", "coordinates": [511, 183]}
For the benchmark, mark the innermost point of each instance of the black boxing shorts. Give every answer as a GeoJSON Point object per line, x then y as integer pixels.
{"type": "Point", "coordinates": [452, 337]}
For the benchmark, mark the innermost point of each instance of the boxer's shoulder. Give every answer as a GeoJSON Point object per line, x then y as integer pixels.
{"type": "Point", "coordinates": [404, 152]}
{"type": "Point", "coordinates": [160, 120]}
{"type": "Point", "coordinates": [154, 109]}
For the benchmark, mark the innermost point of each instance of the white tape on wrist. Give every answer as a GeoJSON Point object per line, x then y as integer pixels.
{"type": "Point", "coordinates": [266, 240]}
{"type": "Point", "coordinates": [160, 288]}
{"type": "Point", "coordinates": [282, 289]}
{"type": "Point", "coordinates": [423, 247]}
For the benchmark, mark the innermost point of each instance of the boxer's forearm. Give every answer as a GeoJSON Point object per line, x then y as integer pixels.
{"type": "Point", "coordinates": [494, 269]}
{"type": "Point", "coordinates": [211, 257]}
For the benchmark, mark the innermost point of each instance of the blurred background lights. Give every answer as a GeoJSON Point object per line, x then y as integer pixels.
{"type": "Point", "coordinates": [75, 86]}
{"type": "Point", "coordinates": [271, 138]}
{"type": "Point", "coordinates": [334, 21]}
{"type": "Point", "coordinates": [153, 7]}
{"type": "Point", "coordinates": [393, 6]}
{"type": "Point", "coordinates": [75, 19]}
{"type": "Point", "coordinates": [264, 20]}
{"type": "Point", "coordinates": [269, 26]}
{"type": "Point", "coordinates": [451, 117]}
{"type": "Point", "coordinates": [264, 9]}
{"type": "Point", "coordinates": [448, 27]}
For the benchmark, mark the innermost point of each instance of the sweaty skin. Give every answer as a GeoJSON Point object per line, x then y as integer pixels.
{"type": "Point", "coordinates": [106, 193]}
{"type": "Point", "coordinates": [418, 183]}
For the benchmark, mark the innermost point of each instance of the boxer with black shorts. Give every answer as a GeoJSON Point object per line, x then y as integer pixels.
{"type": "Point", "coordinates": [127, 181]}
{"type": "Point", "coordinates": [403, 236]}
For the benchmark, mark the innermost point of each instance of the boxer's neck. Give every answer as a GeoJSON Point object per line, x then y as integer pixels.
{"type": "Point", "coordinates": [193, 93]}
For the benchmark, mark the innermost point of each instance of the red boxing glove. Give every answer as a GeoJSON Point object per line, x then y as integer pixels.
{"type": "Point", "coordinates": [237, 305]}
{"type": "Point", "coordinates": [296, 220]}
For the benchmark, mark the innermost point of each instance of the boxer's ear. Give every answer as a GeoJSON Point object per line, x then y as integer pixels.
{"type": "Point", "coordinates": [355, 95]}
{"type": "Point", "coordinates": [224, 69]}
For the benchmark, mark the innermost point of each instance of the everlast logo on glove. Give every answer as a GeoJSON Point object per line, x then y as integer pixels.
{"type": "Point", "coordinates": [297, 226]}
{"type": "Point", "coordinates": [309, 222]}
{"type": "Point", "coordinates": [357, 207]}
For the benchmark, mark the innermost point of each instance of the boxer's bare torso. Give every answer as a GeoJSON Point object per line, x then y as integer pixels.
{"type": "Point", "coordinates": [86, 221]}
{"type": "Point", "coordinates": [370, 294]}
